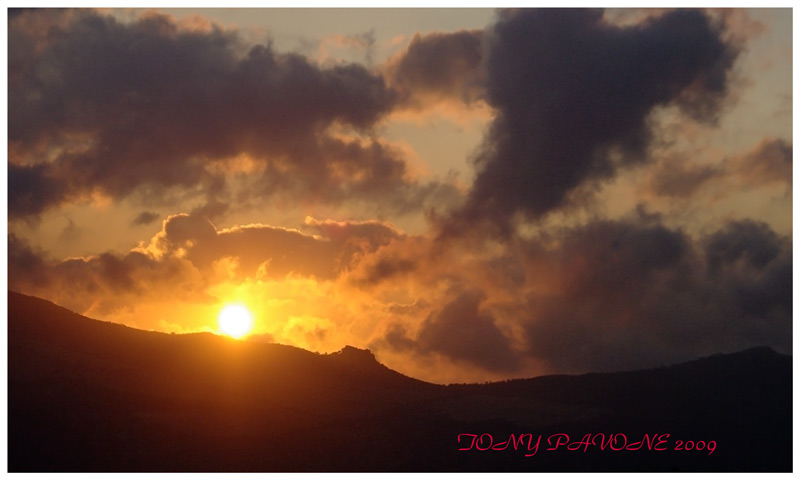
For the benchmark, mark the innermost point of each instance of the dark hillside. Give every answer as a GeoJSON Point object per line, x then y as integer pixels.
{"type": "Point", "coordinates": [86, 395]}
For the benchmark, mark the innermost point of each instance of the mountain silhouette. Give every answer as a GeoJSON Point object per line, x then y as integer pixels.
{"type": "Point", "coordinates": [87, 395]}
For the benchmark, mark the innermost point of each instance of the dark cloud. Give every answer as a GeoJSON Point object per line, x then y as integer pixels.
{"type": "Point", "coordinates": [213, 208]}
{"type": "Point", "coordinates": [753, 266]}
{"type": "Point", "coordinates": [629, 294]}
{"type": "Point", "coordinates": [439, 66]}
{"type": "Point", "coordinates": [217, 198]}
{"type": "Point", "coordinates": [272, 252]}
{"type": "Point", "coordinates": [105, 283]}
{"type": "Point", "coordinates": [604, 296]}
{"type": "Point", "coordinates": [363, 169]}
{"type": "Point", "coordinates": [145, 218]}
{"type": "Point", "coordinates": [402, 258]}
{"type": "Point", "coordinates": [354, 241]}
{"type": "Point", "coordinates": [608, 295]}
{"type": "Point", "coordinates": [383, 268]}
{"type": "Point", "coordinates": [259, 250]}
{"type": "Point", "coordinates": [462, 332]}
{"type": "Point", "coordinates": [100, 106]}
{"type": "Point", "coordinates": [747, 243]}
{"type": "Point", "coordinates": [188, 255]}
{"type": "Point", "coordinates": [572, 95]}
{"type": "Point", "coordinates": [396, 338]}
{"type": "Point", "coordinates": [116, 271]}
{"type": "Point", "coordinates": [27, 267]}
{"type": "Point", "coordinates": [374, 232]}
{"type": "Point", "coordinates": [31, 189]}
{"type": "Point", "coordinates": [123, 106]}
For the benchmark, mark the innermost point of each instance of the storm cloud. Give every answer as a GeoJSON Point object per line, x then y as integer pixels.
{"type": "Point", "coordinates": [573, 95]}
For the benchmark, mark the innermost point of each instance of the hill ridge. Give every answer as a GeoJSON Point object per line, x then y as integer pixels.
{"type": "Point", "coordinates": [353, 354]}
{"type": "Point", "coordinates": [88, 395]}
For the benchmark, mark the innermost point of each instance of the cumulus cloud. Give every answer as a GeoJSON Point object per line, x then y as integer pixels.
{"type": "Point", "coordinates": [103, 283]}
{"type": "Point", "coordinates": [266, 251]}
{"type": "Point", "coordinates": [573, 94]}
{"type": "Point", "coordinates": [257, 249]}
{"type": "Point", "coordinates": [438, 66]}
{"type": "Point", "coordinates": [190, 254]}
{"type": "Point", "coordinates": [102, 105]}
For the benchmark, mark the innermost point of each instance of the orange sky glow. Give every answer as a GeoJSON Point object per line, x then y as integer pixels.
{"type": "Point", "coordinates": [472, 195]}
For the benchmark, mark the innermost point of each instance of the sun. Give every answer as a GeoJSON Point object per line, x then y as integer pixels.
{"type": "Point", "coordinates": [235, 320]}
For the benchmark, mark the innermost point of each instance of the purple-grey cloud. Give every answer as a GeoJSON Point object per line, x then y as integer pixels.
{"type": "Point", "coordinates": [572, 95]}
{"type": "Point", "coordinates": [98, 104]}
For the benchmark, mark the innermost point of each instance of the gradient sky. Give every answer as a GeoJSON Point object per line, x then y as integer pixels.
{"type": "Point", "coordinates": [471, 194]}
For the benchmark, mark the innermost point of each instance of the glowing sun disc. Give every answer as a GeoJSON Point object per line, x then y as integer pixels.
{"type": "Point", "coordinates": [235, 320]}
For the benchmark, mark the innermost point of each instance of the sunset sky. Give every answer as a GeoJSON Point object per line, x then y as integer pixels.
{"type": "Point", "coordinates": [471, 194]}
